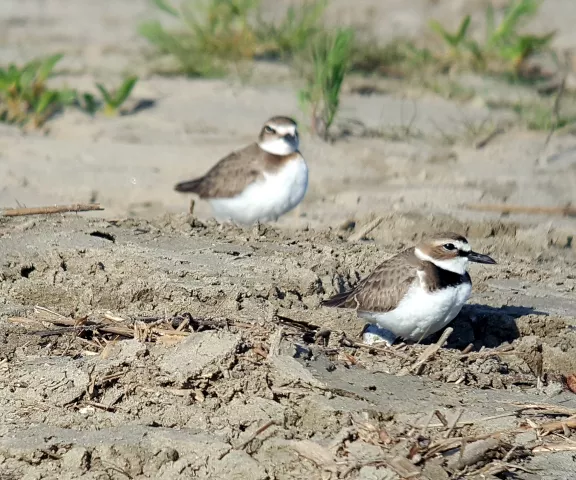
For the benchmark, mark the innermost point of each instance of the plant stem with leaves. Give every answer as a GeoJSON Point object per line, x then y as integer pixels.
{"type": "Point", "coordinates": [113, 100]}
{"type": "Point", "coordinates": [327, 64]}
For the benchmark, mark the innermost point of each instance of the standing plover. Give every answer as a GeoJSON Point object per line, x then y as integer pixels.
{"type": "Point", "coordinates": [259, 183]}
{"type": "Point", "coordinates": [415, 293]}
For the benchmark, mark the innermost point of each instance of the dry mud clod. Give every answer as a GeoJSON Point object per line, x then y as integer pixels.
{"type": "Point", "coordinates": [158, 356]}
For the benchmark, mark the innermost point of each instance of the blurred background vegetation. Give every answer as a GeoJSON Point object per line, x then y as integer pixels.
{"type": "Point", "coordinates": [215, 38]}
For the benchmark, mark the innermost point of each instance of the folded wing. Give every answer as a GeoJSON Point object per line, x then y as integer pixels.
{"type": "Point", "coordinates": [383, 289]}
{"type": "Point", "coordinates": [229, 177]}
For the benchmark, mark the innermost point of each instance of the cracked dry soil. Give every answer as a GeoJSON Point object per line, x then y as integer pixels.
{"type": "Point", "coordinates": [262, 383]}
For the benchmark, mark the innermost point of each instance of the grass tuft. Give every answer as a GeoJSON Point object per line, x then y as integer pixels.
{"type": "Point", "coordinates": [25, 98]}
{"type": "Point", "coordinates": [504, 48]}
{"type": "Point", "coordinates": [325, 67]}
{"type": "Point", "coordinates": [113, 100]}
{"type": "Point", "coordinates": [292, 35]}
{"type": "Point", "coordinates": [215, 34]}
{"type": "Point", "coordinates": [27, 101]}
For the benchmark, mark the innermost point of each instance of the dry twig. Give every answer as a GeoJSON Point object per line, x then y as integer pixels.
{"type": "Point", "coordinates": [347, 342]}
{"type": "Point", "coordinates": [567, 211]}
{"type": "Point", "coordinates": [482, 142]}
{"type": "Point", "coordinates": [555, 447]}
{"type": "Point", "coordinates": [454, 422]}
{"type": "Point", "coordinates": [78, 207]}
{"type": "Point", "coordinates": [365, 230]}
{"type": "Point", "coordinates": [262, 429]}
{"type": "Point", "coordinates": [138, 330]}
{"type": "Point", "coordinates": [427, 354]}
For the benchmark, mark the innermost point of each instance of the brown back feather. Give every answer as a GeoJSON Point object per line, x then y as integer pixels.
{"type": "Point", "coordinates": [231, 175]}
{"type": "Point", "coordinates": [382, 290]}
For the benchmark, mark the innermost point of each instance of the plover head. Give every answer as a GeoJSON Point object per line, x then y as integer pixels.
{"type": "Point", "coordinates": [279, 136]}
{"type": "Point", "coordinates": [450, 251]}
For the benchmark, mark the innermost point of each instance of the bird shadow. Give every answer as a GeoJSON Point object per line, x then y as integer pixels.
{"type": "Point", "coordinates": [485, 326]}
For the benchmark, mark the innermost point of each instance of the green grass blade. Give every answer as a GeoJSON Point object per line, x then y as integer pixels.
{"type": "Point", "coordinates": [46, 66]}
{"type": "Point", "coordinates": [515, 13]}
{"type": "Point", "coordinates": [443, 33]}
{"type": "Point", "coordinates": [26, 77]}
{"type": "Point", "coordinates": [105, 94]}
{"type": "Point", "coordinates": [166, 7]}
{"type": "Point", "coordinates": [47, 99]}
{"type": "Point", "coordinates": [124, 91]}
{"type": "Point", "coordinates": [463, 30]}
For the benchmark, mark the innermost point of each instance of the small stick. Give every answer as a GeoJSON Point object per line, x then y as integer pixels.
{"type": "Point", "coordinates": [481, 143]}
{"type": "Point", "coordinates": [91, 325]}
{"type": "Point", "coordinates": [509, 453]}
{"type": "Point", "coordinates": [260, 351]}
{"type": "Point", "coordinates": [29, 322]}
{"type": "Point", "coordinates": [554, 426]}
{"type": "Point", "coordinates": [360, 234]}
{"type": "Point", "coordinates": [78, 207]}
{"type": "Point", "coordinates": [50, 454]}
{"type": "Point", "coordinates": [99, 405]}
{"type": "Point", "coordinates": [113, 318]}
{"type": "Point", "coordinates": [44, 310]}
{"type": "Point", "coordinates": [464, 423]}
{"type": "Point", "coordinates": [389, 350]}
{"type": "Point", "coordinates": [561, 447]}
{"type": "Point", "coordinates": [501, 351]}
{"type": "Point", "coordinates": [503, 208]}
{"type": "Point", "coordinates": [548, 408]}
{"type": "Point", "coordinates": [183, 325]}
{"type": "Point", "coordinates": [453, 423]}
{"type": "Point", "coordinates": [263, 428]}
{"type": "Point", "coordinates": [180, 392]}
{"type": "Point", "coordinates": [431, 350]}
{"type": "Point", "coordinates": [441, 417]}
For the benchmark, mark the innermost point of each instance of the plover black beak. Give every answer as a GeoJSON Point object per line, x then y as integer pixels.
{"type": "Point", "coordinates": [480, 258]}
{"type": "Point", "coordinates": [290, 138]}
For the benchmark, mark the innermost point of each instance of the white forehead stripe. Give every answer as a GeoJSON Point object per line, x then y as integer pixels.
{"type": "Point", "coordinates": [464, 246]}
{"type": "Point", "coordinates": [284, 129]}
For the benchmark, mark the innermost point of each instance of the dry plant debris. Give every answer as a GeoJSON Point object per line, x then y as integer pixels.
{"type": "Point", "coordinates": [78, 207]}
{"type": "Point", "coordinates": [450, 443]}
{"type": "Point", "coordinates": [567, 211]}
{"type": "Point", "coordinates": [108, 327]}
{"type": "Point", "coordinates": [276, 379]}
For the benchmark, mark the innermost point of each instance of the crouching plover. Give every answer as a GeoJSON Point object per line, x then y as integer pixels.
{"type": "Point", "coordinates": [415, 293]}
{"type": "Point", "coordinates": [259, 183]}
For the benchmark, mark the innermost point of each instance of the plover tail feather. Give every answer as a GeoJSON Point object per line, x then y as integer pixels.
{"type": "Point", "coordinates": [336, 301]}
{"type": "Point", "coordinates": [190, 186]}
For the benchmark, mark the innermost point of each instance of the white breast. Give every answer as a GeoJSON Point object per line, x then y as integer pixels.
{"type": "Point", "coordinates": [421, 313]}
{"type": "Point", "coordinates": [267, 199]}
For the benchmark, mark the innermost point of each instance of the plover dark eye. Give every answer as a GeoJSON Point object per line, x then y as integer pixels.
{"type": "Point", "coordinates": [269, 129]}
{"type": "Point", "coordinates": [449, 246]}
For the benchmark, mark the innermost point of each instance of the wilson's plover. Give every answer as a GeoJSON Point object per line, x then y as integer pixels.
{"type": "Point", "coordinates": [259, 183]}
{"type": "Point", "coordinates": [415, 293]}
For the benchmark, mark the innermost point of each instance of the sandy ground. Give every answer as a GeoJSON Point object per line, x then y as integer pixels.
{"type": "Point", "coordinates": [259, 348]}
